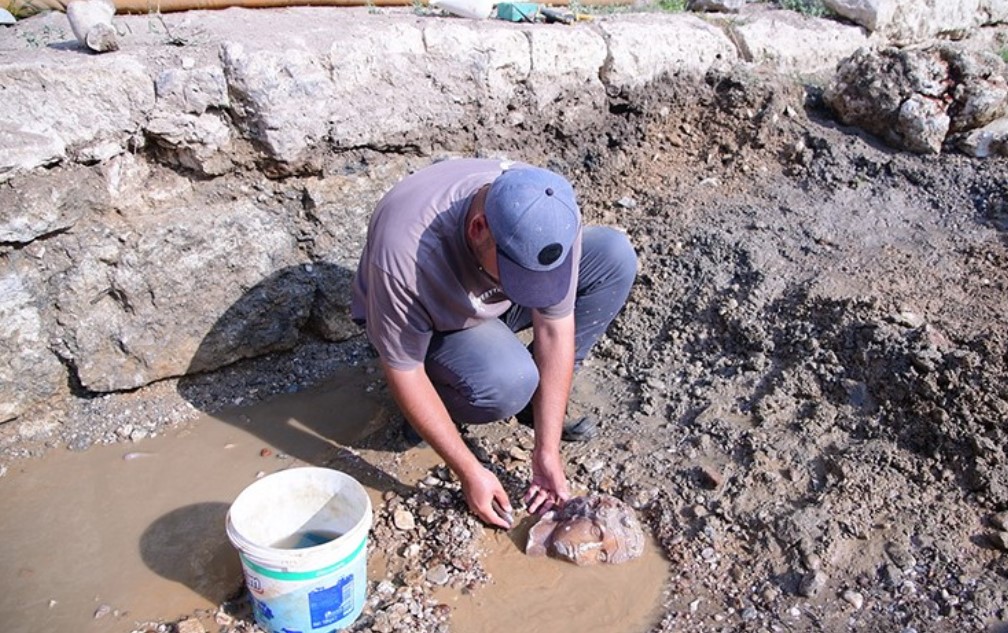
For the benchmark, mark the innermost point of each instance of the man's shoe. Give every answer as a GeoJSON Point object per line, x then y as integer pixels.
{"type": "Point", "coordinates": [577, 429]}
{"type": "Point", "coordinates": [411, 437]}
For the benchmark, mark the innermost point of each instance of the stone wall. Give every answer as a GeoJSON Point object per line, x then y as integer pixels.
{"type": "Point", "coordinates": [201, 195]}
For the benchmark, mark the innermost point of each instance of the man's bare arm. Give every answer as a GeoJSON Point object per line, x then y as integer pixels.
{"type": "Point", "coordinates": [554, 353]}
{"type": "Point", "coordinates": [423, 408]}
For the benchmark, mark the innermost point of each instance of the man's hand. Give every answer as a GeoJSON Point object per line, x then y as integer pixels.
{"type": "Point", "coordinates": [554, 353]}
{"type": "Point", "coordinates": [482, 488]}
{"type": "Point", "coordinates": [549, 483]}
{"type": "Point", "coordinates": [423, 408]}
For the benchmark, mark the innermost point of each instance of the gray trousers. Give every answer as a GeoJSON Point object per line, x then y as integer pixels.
{"type": "Point", "coordinates": [485, 373]}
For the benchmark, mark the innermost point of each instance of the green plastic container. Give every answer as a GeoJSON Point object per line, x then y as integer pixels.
{"type": "Point", "coordinates": [517, 11]}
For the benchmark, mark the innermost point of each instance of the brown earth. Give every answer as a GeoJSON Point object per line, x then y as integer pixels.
{"type": "Point", "coordinates": [806, 397]}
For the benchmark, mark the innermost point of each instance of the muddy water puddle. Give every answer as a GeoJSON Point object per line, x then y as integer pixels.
{"type": "Point", "coordinates": [100, 540]}
{"type": "Point", "coordinates": [551, 595]}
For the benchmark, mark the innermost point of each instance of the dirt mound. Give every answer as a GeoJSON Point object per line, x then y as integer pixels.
{"type": "Point", "coordinates": [824, 321]}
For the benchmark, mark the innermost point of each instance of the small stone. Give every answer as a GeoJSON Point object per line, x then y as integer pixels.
{"type": "Point", "coordinates": [749, 613]}
{"type": "Point", "coordinates": [710, 477]}
{"type": "Point", "coordinates": [518, 454]}
{"type": "Point", "coordinates": [594, 466]}
{"type": "Point", "coordinates": [770, 593]}
{"type": "Point", "coordinates": [438, 575]}
{"type": "Point", "coordinates": [813, 562]}
{"type": "Point", "coordinates": [52, 603]}
{"type": "Point", "coordinates": [102, 611]}
{"type": "Point", "coordinates": [853, 598]}
{"type": "Point", "coordinates": [812, 583]}
{"type": "Point", "coordinates": [1000, 521]}
{"type": "Point", "coordinates": [908, 319]}
{"type": "Point", "coordinates": [694, 605]}
{"type": "Point", "coordinates": [626, 202]}
{"type": "Point", "coordinates": [430, 481]}
{"type": "Point", "coordinates": [403, 519]}
{"type": "Point", "coordinates": [265, 452]}
{"type": "Point", "coordinates": [190, 625]}
{"type": "Point", "coordinates": [412, 550]}
{"type": "Point", "coordinates": [892, 575]}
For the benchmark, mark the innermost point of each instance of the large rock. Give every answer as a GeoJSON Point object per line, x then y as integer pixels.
{"type": "Point", "coordinates": [795, 44]}
{"type": "Point", "coordinates": [994, 11]}
{"type": "Point", "coordinates": [908, 21]}
{"type": "Point", "coordinates": [185, 126]}
{"type": "Point", "coordinates": [643, 49]}
{"type": "Point", "coordinates": [915, 98]}
{"type": "Point", "coordinates": [48, 203]}
{"type": "Point", "coordinates": [177, 290]}
{"type": "Point", "coordinates": [30, 372]}
{"type": "Point", "coordinates": [989, 140]}
{"type": "Point", "coordinates": [70, 106]}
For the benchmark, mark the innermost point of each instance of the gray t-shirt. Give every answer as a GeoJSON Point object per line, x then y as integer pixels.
{"type": "Point", "coordinates": [417, 274]}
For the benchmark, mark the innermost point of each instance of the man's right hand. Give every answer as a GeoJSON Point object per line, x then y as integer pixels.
{"type": "Point", "coordinates": [481, 488]}
{"type": "Point", "coordinates": [421, 405]}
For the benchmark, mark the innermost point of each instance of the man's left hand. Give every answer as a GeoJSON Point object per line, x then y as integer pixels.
{"type": "Point", "coordinates": [549, 483]}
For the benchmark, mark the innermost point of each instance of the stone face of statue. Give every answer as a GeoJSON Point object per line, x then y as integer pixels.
{"type": "Point", "coordinates": [588, 530]}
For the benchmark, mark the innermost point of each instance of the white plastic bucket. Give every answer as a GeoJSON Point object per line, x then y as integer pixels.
{"type": "Point", "coordinates": [315, 587]}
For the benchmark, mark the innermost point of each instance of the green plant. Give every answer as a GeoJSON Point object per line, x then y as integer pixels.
{"type": "Point", "coordinates": [1004, 53]}
{"type": "Point", "coordinates": [814, 8]}
{"type": "Point", "coordinates": [672, 6]}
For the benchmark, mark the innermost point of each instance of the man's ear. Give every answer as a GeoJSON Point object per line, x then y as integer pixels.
{"type": "Point", "coordinates": [478, 229]}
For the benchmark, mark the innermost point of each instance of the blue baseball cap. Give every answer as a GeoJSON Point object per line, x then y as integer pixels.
{"type": "Point", "coordinates": [534, 219]}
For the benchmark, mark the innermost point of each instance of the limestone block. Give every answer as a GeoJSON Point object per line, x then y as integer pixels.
{"type": "Point", "coordinates": [336, 212]}
{"type": "Point", "coordinates": [175, 290]}
{"type": "Point", "coordinates": [673, 44]}
{"type": "Point", "coordinates": [283, 96]}
{"type": "Point", "coordinates": [867, 13]}
{"type": "Point", "coordinates": [31, 207]}
{"type": "Point", "coordinates": [994, 11]}
{"type": "Point", "coordinates": [21, 150]}
{"type": "Point", "coordinates": [909, 21]}
{"type": "Point", "coordinates": [89, 105]}
{"type": "Point", "coordinates": [565, 65]}
{"type": "Point", "coordinates": [791, 43]}
{"type": "Point", "coordinates": [192, 91]}
{"type": "Point", "coordinates": [990, 140]}
{"type": "Point", "coordinates": [199, 143]}
{"type": "Point", "coordinates": [483, 66]}
{"type": "Point", "coordinates": [369, 65]}
{"type": "Point", "coordinates": [30, 372]}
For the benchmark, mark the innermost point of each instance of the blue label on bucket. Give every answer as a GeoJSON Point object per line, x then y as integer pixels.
{"type": "Point", "coordinates": [330, 604]}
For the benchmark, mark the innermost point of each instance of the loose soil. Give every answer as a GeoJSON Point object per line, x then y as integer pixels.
{"type": "Point", "coordinates": [805, 398]}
